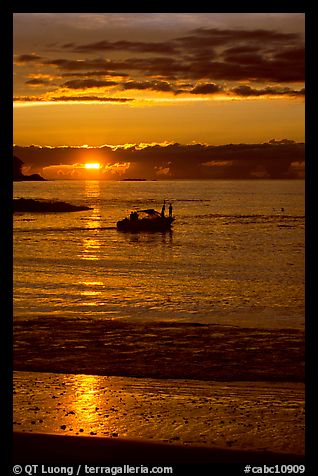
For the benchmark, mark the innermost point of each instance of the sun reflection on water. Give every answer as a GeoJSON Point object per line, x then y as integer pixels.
{"type": "Point", "coordinates": [91, 288]}
{"type": "Point", "coordinates": [91, 245]}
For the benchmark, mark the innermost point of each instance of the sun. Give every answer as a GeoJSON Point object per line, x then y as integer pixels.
{"type": "Point", "coordinates": [94, 166]}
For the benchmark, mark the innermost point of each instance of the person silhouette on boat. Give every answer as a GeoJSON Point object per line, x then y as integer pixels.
{"type": "Point", "coordinates": [170, 210]}
{"type": "Point", "coordinates": [163, 209]}
{"type": "Point", "coordinates": [134, 216]}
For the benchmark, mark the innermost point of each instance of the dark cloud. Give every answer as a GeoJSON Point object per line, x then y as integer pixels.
{"type": "Point", "coordinates": [197, 40]}
{"type": "Point", "coordinates": [208, 88]}
{"type": "Point", "coordinates": [88, 74]}
{"type": "Point", "coordinates": [132, 46]}
{"type": "Point", "coordinates": [91, 98]}
{"type": "Point", "coordinates": [77, 65]}
{"type": "Point", "coordinates": [152, 66]}
{"type": "Point", "coordinates": [247, 91]}
{"type": "Point", "coordinates": [297, 55]}
{"type": "Point", "coordinates": [232, 68]}
{"type": "Point", "coordinates": [249, 59]}
{"type": "Point", "coordinates": [152, 85]}
{"type": "Point", "coordinates": [37, 82]}
{"type": "Point", "coordinates": [28, 58]}
{"type": "Point", "coordinates": [209, 53]}
{"type": "Point", "coordinates": [245, 49]}
{"type": "Point", "coordinates": [204, 88]}
{"type": "Point", "coordinates": [234, 36]}
{"type": "Point", "coordinates": [70, 98]}
{"type": "Point", "coordinates": [256, 69]}
{"type": "Point", "coordinates": [164, 66]}
{"type": "Point", "coordinates": [28, 99]}
{"type": "Point", "coordinates": [275, 159]}
{"type": "Point", "coordinates": [88, 83]}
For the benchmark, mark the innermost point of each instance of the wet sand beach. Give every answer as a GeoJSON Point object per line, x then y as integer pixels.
{"type": "Point", "coordinates": [111, 418]}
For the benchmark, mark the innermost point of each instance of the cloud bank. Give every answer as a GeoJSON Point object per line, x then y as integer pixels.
{"type": "Point", "coordinates": [275, 160]}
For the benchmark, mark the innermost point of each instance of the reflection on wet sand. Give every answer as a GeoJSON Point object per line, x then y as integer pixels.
{"type": "Point", "coordinates": [85, 401]}
{"type": "Point", "coordinates": [257, 416]}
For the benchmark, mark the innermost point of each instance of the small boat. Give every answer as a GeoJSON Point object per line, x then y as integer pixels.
{"type": "Point", "coordinates": [145, 220]}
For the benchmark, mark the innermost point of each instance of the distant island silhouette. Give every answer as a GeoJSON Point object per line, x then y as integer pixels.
{"type": "Point", "coordinates": [18, 176]}
{"type": "Point", "coordinates": [134, 180]}
{"type": "Point", "coordinates": [30, 205]}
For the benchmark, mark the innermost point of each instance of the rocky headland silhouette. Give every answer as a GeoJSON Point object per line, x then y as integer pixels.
{"type": "Point", "coordinates": [18, 176]}
{"type": "Point", "coordinates": [44, 206]}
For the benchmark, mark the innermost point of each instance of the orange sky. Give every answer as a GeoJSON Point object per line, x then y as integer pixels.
{"type": "Point", "coordinates": [211, 121]}
{"type": "Point", "coordinates": [131, 78]}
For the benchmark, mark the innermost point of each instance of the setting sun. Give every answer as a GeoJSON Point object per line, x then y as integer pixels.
{"type": "Point", "coordinates": [92, 166]}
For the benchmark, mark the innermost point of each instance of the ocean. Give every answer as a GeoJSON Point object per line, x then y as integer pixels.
{"type": "Point", "coordinates": [220, 297]}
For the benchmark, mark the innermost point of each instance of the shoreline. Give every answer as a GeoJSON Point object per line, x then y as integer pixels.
{"type": "Point", "coordinates": [159, 349]}
{"type": "Point", "coordinates": [194, 419]}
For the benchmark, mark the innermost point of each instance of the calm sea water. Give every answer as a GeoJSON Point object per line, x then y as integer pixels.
{"type": "Point", "coordinates": [235, 258]}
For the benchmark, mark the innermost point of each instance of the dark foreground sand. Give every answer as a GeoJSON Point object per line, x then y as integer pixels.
{"type": "Point", "coordinates": [32, 448]}
{"type": "Point", "coordinates": [65, 417]}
